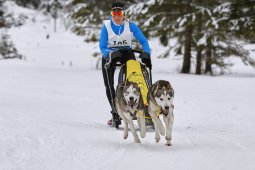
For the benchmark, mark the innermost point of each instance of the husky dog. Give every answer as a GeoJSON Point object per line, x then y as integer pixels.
{"type": "Point", "coordinates": [129, 105]}
{"type": "Point", "coordinates": [160, 101]}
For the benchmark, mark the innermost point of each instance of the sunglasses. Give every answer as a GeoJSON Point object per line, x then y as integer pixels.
{"type": "Point", "coordinates": [117, 12]}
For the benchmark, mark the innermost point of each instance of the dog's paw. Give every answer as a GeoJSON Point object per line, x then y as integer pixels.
{"type": "Point", "coordinates": [168, 144]}
{"type": "Point", "coordinates": [142, 134]}
{"type": "Point", "coordinates": [168, 141]}
{"type": "Point", "coordinates": [125, 136]}
{"type": "Point", "coordinates": [137, 140]}
{"type": "Point", "coordinates": [157, 140]}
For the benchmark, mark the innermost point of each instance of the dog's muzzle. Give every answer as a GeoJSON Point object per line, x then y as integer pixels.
{"type": "Point", "coordinates": [132, 102]}
{"type": "Point", "coordinates": [165, 112]}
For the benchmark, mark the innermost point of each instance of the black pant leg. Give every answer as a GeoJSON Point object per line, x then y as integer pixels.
{"type": "Point", "coordinates": [109, 82]}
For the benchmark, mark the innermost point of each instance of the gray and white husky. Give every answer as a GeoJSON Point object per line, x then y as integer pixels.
{"type": "Point", "coordinates": [160, 101]}
{"type": "Point", "coordinates": [129, 105]}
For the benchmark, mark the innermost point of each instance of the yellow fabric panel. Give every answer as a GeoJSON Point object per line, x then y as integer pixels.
{"type": "Point", "coordinates": [134, 74]}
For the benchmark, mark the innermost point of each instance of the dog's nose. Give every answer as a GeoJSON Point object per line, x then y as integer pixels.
{"type": "Point", "coordinates": [166, 107]}
{"type": "Point", "coordinates": [131, 98]}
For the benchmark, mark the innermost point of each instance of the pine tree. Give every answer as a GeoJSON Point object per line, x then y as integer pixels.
{"type": "Point", "coordinates": [242, 24]}
{"type": "Point", "coordinates": [2, 22]}
{"type": "Point", "coordinates": [167, 19]}
{"type": "Point", "coordinates": [242, 19]}
{"type": "Point", "coordinates": [54, 8]}
{"type": "Point", "coordinates": [7, 48]}
{"type": "Point", "coordinates": [220, 38]}
{"type": "Point", "coordinates": [205, 30]}
{"type": "Point", "coordinates": [199, 26]}
{"type": "Point", "coordinates": [88, 16]}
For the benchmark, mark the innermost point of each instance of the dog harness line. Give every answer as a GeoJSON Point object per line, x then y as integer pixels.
{"type": "Point", "coordinates": [158, 112]}
{"type": "Point", "coordinates": [140, 114]}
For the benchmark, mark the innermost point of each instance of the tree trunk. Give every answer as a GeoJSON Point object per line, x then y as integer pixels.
{"type": "Point", "coordinates": [55, 24]}
{"type": "Point", "coordinates": [208, 62]}
{"type": "Point", "coordinates": [2, 22]}
{"type": "Point", "coordinates": [187, 50]}
{"type": "Point", "coordinates": [199, 60]}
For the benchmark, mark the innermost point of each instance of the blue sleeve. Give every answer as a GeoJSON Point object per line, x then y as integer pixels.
{"type": "Point", "coordinates": [103, 41]}
{"type": "Point", "coordinates": [140, 37]}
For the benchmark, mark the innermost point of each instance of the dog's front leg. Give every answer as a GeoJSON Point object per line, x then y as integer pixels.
{"type": "Point", "coordinates": [169, 124]}
{"type": "Point", "coordinates": [123, 117]}
{"type": "Point", "coordinates": [160, 126]}
{"type": "Point", "coordinates": [141, 123]}
{"type": "Point", "coordinates": [156, 121]}
{"type": "Point", "coordinates": [157, 135]}
{"type": "Point", "coordinates": [125, 135]}
{"type": "Point", "coordinates": [132, 127]}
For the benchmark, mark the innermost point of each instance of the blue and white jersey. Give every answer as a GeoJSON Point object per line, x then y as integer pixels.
{"type": "Point", "coordinates": [122, 40]}
{"type": "Point", "coordinates": [115, 36]}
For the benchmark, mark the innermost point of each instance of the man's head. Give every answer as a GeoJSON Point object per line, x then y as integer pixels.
{"type": "Point", "coordinates": [118, 5]}
{"type": "Point", "coordinates": [117, 12]}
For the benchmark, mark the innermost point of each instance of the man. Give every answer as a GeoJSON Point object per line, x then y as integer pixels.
{"type": "Point", "coordinates": [115, 45]}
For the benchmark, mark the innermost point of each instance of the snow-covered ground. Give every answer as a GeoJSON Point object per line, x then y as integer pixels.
{"type": "Point", "coordinates": [53, 112]}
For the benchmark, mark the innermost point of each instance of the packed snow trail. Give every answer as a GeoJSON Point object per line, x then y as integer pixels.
{"type": "Point", "coordinates": [54, 118]}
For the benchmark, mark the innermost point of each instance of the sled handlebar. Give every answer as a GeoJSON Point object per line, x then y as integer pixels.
{"type": "Point", "coordinates": [137, 51]}
{"type": "Point", "coordinates": [134, 51]}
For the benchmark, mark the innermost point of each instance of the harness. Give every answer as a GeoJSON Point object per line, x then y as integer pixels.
{"type": "Point", "coordinates": [138, 113]}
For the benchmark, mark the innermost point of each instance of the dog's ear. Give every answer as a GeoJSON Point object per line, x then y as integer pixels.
{"type": "Point", "coordinates": [155, 87]}
{"type": "Point", "coordinates": [120, 89]}
{"type": "Point", "coordinates": [170, 88]}
{"type": "Point", "coordinates": [159, 85]}
{"type": "Point", "coordinates": [163, 84]}
{"type": "Point", "coordinates": [127, 83]}
{"type": "Point", "coordinates": [168, 85]}
{"type": "Point", "coordinates": [172, 93]}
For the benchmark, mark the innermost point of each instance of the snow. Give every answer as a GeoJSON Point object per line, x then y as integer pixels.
{"type": "Point", "coordinates": [223, 8]}
{"type": "Point", "coordinates": [53, 114]}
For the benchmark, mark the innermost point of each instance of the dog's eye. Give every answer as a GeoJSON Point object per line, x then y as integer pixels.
{"type": "Point", "coordinates": [169, 98]}
{"type": "Point", "coordinates": [161, 99]}
{"type": "Point", "coordinates": [135, 91]}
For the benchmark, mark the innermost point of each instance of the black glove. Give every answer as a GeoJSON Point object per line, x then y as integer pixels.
{"type": "Point", "coordinates": [115, 55]}
{"type": "Point", "coordinates": [112, 58]}
{"type": "Point", "coordinates": [146, 59]}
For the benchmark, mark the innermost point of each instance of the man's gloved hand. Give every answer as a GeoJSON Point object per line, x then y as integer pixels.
{"type": "Point", "coordinates": [112, 58]}
{"type": "Point", "coordinates": [146, 59]}
{"type": "Point", "coordinates": [115, 55]}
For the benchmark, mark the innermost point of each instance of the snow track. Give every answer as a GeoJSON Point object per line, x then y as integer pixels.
{"type": "Point", "coordinates": [50, 121]}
